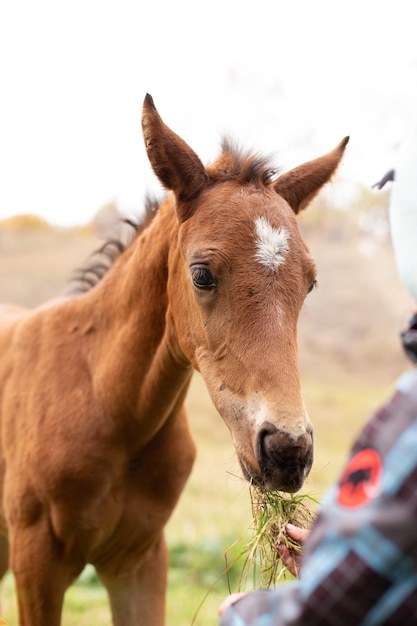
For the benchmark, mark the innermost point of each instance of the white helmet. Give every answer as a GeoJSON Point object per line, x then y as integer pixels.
{"type": "Point", "coordinates": [403, 213]}
{"type": "Point", "coordinates": [403, 224]}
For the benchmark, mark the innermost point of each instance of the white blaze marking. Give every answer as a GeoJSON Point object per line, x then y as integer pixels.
{"type": "Point", "coordinates": [260, 411]}
{"type": "Point", "coordinates": [272, 244]}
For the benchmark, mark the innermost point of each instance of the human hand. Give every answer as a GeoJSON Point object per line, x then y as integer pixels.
{"type": "Point", "coordinates": [292, 558]}
{"type": "Point", "coordinates": [234, 597]}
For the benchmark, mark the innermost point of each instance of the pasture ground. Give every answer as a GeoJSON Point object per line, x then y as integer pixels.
{"type": "Point", "coordinates": [349, 357]}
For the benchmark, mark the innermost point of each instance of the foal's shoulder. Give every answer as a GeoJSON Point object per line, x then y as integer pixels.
{"type": "Point", "coordinates": [11, 312]}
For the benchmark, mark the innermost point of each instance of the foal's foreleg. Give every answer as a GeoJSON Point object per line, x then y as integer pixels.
{"type": "Point", "coordinates": [41, 575]}
{"type": "Point", "coordinates": [137, 596]}
{"type": "Point", "coordinates": [4, 555]}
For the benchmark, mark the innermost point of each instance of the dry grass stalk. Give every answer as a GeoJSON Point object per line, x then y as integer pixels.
{"type": "Point", "coordinates": [272, 511]}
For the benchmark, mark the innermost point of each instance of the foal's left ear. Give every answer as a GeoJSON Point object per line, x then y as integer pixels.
{"type": "Point", "coordinates": [177, 166]}
{"type": "Point", "coordinates": [299, 186]}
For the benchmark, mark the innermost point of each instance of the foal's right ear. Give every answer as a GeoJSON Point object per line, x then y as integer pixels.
{"type": "Point", "coordinates": [177, 166]}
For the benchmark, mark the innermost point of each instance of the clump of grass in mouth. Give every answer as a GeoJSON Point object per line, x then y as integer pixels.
{"type": "Point", "coordinates": [272, 511]}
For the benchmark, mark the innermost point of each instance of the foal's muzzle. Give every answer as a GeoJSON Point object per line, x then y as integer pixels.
{"type": "Point", "coordinates": [284, 461]}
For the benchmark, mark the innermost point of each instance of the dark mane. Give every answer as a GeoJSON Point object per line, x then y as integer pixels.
{"type": "Point", "coordinates": [102, 259]}
{"type": "Point", "coordinates": [244, 166]}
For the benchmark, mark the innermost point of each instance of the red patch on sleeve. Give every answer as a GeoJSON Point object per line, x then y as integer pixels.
{"type": "Point", "coordinates": [360, 480]}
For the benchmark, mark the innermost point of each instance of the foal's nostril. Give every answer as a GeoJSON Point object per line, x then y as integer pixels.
{"type": "Point", "coordinates": [267, 443]}
{"type": "Point", "coordinates": [277, 448]}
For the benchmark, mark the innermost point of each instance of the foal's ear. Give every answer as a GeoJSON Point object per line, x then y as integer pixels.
{"type": "Point", "coordinates": [177, 166]}
{"type": "Point", "coordinates": [299, 186]}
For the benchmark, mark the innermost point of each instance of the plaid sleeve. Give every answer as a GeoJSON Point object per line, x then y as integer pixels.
{"type": "Point", "coordinates": [265, 608]}
{"type": "Point", "coordinates": [360, 564]}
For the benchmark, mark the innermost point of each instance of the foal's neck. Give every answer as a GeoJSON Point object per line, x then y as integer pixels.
{"type": "Point", "coordinates": [139, 367]}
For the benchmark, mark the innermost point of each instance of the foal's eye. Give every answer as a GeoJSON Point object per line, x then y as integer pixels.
{"type": "Point", "coordinates": [312, 285]}
{"type": "Point", "coordinates": [202, 278]}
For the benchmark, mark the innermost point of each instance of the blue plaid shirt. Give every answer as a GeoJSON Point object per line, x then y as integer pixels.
{"type": "Point", "coordinates": [360, 559]}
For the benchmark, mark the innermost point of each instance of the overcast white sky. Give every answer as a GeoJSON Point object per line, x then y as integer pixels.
{"type": "Point", "coordinates": [288, 77]}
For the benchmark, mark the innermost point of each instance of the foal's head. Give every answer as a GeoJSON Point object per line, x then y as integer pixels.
{"type": "Point", "coordinates": [238, 277]}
